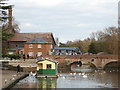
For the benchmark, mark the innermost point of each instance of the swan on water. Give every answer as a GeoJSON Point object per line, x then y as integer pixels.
{"type": "Point", "coordinates": [32, 74]}
{"type": "Point", "coordinates": [83, 73]}
{"type": "Point", "coordinates": [74, 73]}
{"type": "Point", "coordinates": [60, 75]}
{"type": "Point", "coordinates": [79, 74]}
{"type": "Point", "coordinates": [84, 76]}
{"type": "Point", "coordinates": [63, 77]}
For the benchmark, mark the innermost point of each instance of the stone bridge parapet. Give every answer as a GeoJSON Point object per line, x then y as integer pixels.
{"type": "Point", "coordinates": [98, 60]}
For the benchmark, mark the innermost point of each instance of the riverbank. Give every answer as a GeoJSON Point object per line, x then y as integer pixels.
{"type": "Point", "coordinates": [9, 78]}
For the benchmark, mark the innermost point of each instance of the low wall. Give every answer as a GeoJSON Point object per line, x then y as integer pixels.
{"type": "Point", "coordinates": [29, 69]}
{"type": "Point", "coordinates": [14, 68]}
{"type": "Point", "coordinates": [22, 69]}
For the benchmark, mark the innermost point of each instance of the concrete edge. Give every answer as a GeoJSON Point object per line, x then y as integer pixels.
{"type": "Point", "coordinates": [46, 76]}
{"type": "Point", "coordinates": [12, 83]}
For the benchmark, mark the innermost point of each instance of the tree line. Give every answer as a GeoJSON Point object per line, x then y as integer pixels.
{"type": "Point", "coordinates": [101, 41]}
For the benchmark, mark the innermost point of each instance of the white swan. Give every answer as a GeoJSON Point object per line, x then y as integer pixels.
{"type": "Point", "coordinates": [33, 74]}
{"type": "Point", "coordinates": [84, 76]}
{"type": "Point", "coordinates": [83, 73]}
{"type": "Point", "coordinates": [59, 75]}
{"type": "Point", "coordinates": [79, 74]}
{"type": "Point", "coordinates": [74, 73]}
{"type": "Point", "coordinates": [63, 77]}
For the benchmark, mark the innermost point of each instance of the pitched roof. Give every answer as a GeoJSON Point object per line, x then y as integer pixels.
{"type": "Point", "coordinates": [38, 40]}
{"type": "Point", "coordinates": [66, 48]}
{"type": "Point", "coordinates": [48, 37]}
{"type": "Point", "coordinates": [48, 60]}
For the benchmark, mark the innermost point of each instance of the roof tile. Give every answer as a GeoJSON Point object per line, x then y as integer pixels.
{"type": "Point", "coordinates": [31, 36]}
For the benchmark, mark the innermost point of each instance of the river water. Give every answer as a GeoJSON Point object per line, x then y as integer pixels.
{"type": "Point", "coordinates": [77, 78]}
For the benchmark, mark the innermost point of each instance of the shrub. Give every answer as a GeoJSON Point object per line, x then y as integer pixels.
{"type": "Point", "coordinates": [12, 56]}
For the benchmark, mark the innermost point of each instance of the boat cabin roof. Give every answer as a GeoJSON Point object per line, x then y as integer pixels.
{"type": "Point", "coordinates": [47, 60]}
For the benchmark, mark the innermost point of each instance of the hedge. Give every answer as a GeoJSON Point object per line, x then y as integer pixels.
{"type": "Point", "coordinates": [12, 56]}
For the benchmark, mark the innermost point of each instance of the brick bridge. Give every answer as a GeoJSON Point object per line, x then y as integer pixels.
{"type": "Point", "coordinates": [98, 60]}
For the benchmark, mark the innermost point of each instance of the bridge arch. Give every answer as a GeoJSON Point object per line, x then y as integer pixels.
{"type": "Point", "coordinates": [110, 62]}
{"type": "Point", "coordinates": [92, 64]}
{"type": "Point", "coordinates": [75, 62]}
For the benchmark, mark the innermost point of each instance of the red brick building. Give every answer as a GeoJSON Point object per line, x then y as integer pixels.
{"type": "Point", "coordinates": [32, 44]}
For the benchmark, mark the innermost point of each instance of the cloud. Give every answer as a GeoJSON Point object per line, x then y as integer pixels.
{"type": "Point", "coordinates": [37, 3]}
{"type": "Point", "coordinates": [48, 3]}
{"type": "Point", "coordinates": [82, 25]}
{"type": "Point", "coordinates": [76, 18]}
{"type": "Point", "coordinates": [28, 25]}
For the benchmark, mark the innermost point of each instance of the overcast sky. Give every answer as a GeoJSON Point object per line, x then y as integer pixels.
{"type": "Point", "coordinates": [66, 19]}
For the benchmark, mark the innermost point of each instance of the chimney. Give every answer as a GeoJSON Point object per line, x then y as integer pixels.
{"type": "Point", "coordinates": [10, 16]}
{"type": "Point", "coordinates": [57, 41]}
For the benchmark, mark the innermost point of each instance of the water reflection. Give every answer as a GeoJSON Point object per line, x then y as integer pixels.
{"type": "Point", "coordinates": [94, 79]}
{"type": "Point", "coordinates": [83, 68]}
{"type": "Point", "coordinates": [46, 82]}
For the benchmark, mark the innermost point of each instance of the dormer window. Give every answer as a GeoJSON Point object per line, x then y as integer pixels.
{"type": "Point", "coordinates": [30, 46]}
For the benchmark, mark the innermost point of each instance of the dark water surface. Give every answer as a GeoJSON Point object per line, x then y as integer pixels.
{"type": "Point", "coordinates": [82, 78]}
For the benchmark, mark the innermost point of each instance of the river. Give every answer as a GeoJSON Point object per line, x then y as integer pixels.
{"type": "Point", "coordinates": [77, 78]}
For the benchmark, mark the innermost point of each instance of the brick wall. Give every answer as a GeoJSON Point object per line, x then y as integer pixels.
{"type": "Point", "coordinates": [45, 49]}
{"type": "Point", "coordinates": [10, 16]}
{"type": "Point", "coordinates": [13, 44]}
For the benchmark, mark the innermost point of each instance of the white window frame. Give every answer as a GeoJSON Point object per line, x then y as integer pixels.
{"type": "Point", "coordinates": [39, 46]}
{"type": "Point", "coordinates": [30, 45]}
{"type": "Point", "coordinates": [39, 53]}
{"type": "Point", "coordinates": [30, 53]}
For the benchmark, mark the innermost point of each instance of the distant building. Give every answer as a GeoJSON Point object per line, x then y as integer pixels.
{"type": "Point", "coordinates": [32, 44]}
{"type": "Point", "coordinates": [66, 51]}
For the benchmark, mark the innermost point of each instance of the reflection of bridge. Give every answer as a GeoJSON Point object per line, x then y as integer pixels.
{"type": "Point", "coordinates": [98, 60]}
